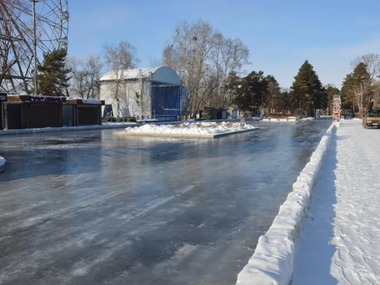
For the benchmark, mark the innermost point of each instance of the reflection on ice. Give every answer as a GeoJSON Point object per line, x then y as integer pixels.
{"type": "Point", "coordinates": [85, 206]}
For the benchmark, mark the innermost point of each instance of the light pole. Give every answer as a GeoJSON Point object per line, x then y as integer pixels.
{"type": "Point", "coordinates": [35, 47]}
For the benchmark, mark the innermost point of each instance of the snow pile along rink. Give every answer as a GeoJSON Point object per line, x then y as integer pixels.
{"type": "Point", "coordinates": [204, 128]}
{"type": "Point", "coordinates": [272, 262]}
{"type": "Point", "coordinates": [2, 162]}
{"type": "Point", "coordinates": [307, 119]}
{"type": "Point", "coordinates": [282, 119]}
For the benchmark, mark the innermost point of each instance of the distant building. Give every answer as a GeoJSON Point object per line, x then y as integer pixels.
{"type": "Point", "coordinates": [155, 93]}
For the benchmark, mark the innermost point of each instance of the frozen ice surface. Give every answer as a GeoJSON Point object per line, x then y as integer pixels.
{"type": "Point", "coordinates": [92, 208]}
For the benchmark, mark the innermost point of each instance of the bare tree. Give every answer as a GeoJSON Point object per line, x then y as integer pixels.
{"type": "Point", "coordinates": [203, 58]}
{"type": "Point", "coordinates": [372, 61]}
{"type": "Point", "coordinates": [376, 93]}
{"type": "Point", "coordinates": [85, 76]}
{"type": "Point", "coordinates": [371, 87]}
{"type": "Point", "coordinates": [92, 67]}
{"type": "Point", "coordinates": [154, 62]}
{"type": "Point", "coordinates": [119, 58]}
{"type": "Point", "coordinates": [229, 55]}
{"type": "Point", "coordinates": [187, 56]}
{"type": "Point", "coordinates": [76, 82]}
{"type": "Point", "coordinates": [235, 55]}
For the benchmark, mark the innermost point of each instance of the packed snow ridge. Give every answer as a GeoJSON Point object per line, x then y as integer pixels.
{"type": "Point", "coordinates": [201, 128]}
{"type": "Point", "coordinates": [272, 261]}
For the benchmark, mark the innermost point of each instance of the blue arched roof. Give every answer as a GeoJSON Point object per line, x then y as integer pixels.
{"type": "Point", "coordinates": [161, 74]}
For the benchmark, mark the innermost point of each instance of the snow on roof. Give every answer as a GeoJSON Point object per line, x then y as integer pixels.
{"type": "Point", "coordinates": [128, 73]}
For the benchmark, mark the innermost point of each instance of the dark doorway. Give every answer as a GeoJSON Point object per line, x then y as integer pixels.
{"type": "Point", "coordinates": [13, 116]}
{"type": "Point", "coordinates": [89, 115]}
{"type": "Point", "coordinates": [42, 116]}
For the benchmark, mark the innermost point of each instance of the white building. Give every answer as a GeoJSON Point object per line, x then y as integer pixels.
{"type": "Point", "coordinates": [144, 93]}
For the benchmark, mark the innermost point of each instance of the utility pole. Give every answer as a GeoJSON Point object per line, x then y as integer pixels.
{"type": "Point", "coordinates": [35, 47]}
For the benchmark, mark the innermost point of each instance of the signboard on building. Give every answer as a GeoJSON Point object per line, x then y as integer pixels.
{"type": "Point", "coordinates": [46, 99]}
{"type": "Point", "coordinates": [336, 104]}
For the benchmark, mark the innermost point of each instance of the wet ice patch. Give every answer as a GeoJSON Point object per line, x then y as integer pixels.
{"type": "Point", "coordinates": [154, 205]}
{"type": "Point", "coordinates": [80, 271]}
{"type": "Point", "coordinates": [82, 267]}
{"type": "Point", "coordinates": [182, 253]}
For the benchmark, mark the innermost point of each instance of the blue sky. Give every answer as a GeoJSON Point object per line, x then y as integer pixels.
{"type": "Point", "coordinates": [280, 34]}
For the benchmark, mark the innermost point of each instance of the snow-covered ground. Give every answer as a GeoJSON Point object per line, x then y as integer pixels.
{"type": "Point", "coordinates": [201, 128]}
{"type": "Point", "coordinates": [340, 239]}
{"type": "Point", "coordinates": [283, 119]}
{"type": "Point", "coordinates": [288, 119]}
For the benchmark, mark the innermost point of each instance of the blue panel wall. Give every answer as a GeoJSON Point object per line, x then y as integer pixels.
{"type": "Point", "coordinates": [166, 102]}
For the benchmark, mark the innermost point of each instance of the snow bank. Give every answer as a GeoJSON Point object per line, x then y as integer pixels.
{"type": "Point", "coordinates": [203, 128]}
{"type": "Point", "coordinates": [287, 119]}
{"type": "Point", "coordinates": [2, 162]}
{"type": "Point", "coordinates": [307, 119]}
{"type": "Point", "coordinates": [272, 262]}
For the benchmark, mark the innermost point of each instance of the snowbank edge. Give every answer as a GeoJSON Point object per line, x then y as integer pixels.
{"type": "Point", "coordinates": [272, 261]}
{"type": "Point", "coordinates": [211, 136]}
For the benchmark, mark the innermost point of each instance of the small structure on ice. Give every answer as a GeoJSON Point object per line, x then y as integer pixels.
{"type": "Point", "coordinates": [145, 93]}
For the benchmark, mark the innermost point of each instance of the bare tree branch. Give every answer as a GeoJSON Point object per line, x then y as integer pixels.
{"type": "Point", "coordinates": [119, 59]}
{"type": "Point", "coordinates": [202, 57]}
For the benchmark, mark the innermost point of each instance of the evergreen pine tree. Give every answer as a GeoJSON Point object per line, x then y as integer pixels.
{"type": "Point", "coordinates": [53, 76]}
{"type": "Point", "coordinates": [307, 92]}
{"type": "Point", "coordinates": [348, 92]}
{"type": "Point", "coordinates": [273, 100]}
{"type": "Point", "coordinates": [357, 88]}
{"type": "Point", "coordinates": [253, 92]}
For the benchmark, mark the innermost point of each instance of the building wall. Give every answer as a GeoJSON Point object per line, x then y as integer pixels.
{"type": "Point", "coordinates": [184, 101]}
{"type": "Point", "coordinates": [129, 98]}
{"type": "Point", "coordinates": [131, 105]}
{"type": "Point", "coordinates": [146, 99]}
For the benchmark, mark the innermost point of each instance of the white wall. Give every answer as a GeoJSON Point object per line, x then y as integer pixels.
{"type": "Point", "coordinates": [128, 107]}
